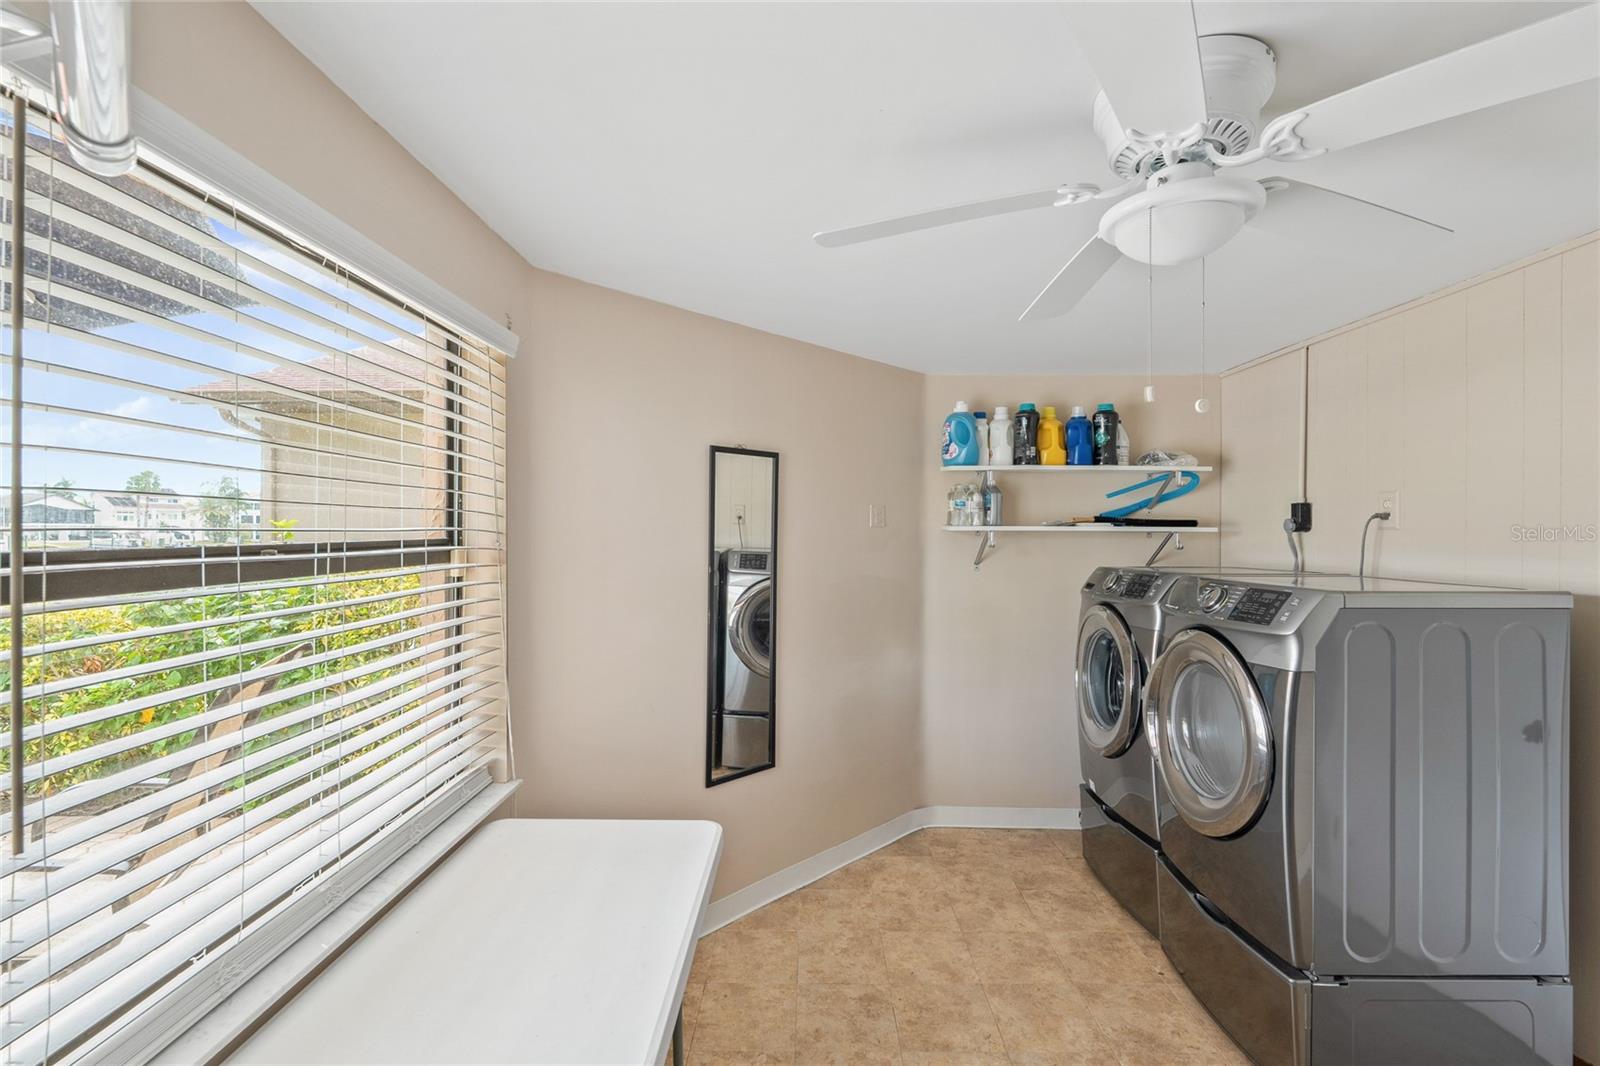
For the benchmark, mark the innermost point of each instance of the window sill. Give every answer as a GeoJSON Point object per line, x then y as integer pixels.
{"type": "Point", "coordinates": [215, 1034]}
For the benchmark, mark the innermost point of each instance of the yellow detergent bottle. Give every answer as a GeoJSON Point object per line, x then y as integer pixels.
{"type": "Point", "coordinates": [1052, 440]}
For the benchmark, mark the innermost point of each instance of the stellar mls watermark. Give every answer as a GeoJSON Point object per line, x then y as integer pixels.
{"type": "Point", "coordinates": [1578, 533]}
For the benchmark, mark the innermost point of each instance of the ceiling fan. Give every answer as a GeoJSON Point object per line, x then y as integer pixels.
{"type": "Point", "coordinates": [1180, 116]}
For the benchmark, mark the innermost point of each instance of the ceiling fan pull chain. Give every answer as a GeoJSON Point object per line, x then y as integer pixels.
{"type": "Point", "coordinates": [1150, 305]}
{"type": "Point", "coordinates": [1203, 404]}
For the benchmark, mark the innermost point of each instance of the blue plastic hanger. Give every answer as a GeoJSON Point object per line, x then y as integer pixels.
{"type": "Point", "coordinates": [1164, 491]}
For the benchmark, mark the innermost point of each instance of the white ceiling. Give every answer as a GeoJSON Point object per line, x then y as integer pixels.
{"type": "Point", "coordinates": [687, 152]}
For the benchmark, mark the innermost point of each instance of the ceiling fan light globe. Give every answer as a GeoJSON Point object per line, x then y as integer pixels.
{"type": "Point", "coordinates": [1181, 220]}
{"type": "Point", "coordinates": [1183, 232]}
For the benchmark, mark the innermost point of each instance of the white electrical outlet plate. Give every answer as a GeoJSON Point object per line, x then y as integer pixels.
{"type": "Point", "coordinates": [738, 512]}
{"type": "Point", "coordinates": [1389, 500]}
{"type": "Point", "coordinates": [875, 516]}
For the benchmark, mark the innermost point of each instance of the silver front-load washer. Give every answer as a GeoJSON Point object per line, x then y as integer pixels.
{"type": "Point", "coordinates": [1119, 631]}
{"type": "Point", "coordinates": [1363, 816]}
{"type": "Point", "coordinates": [744, 704]}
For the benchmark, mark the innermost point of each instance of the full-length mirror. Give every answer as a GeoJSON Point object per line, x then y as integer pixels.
{"type": "Point", "coordinates": [741, 690]}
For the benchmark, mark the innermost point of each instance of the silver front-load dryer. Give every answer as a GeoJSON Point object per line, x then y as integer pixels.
{"type": "Point", "coordinates": [1118, 634]}
{"type": "Point", "coordinates": [1362, 815]}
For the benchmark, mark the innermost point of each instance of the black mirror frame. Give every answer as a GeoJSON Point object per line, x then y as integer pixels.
{"type": "Point", "coordinates": [713, 635]}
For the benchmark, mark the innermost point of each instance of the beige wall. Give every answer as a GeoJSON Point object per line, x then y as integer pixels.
{"type": "Point", "coordinates": [997, 653]}
{"type": "Point", "coordinates": [617, 400]}
{"type": "Point", "coordinates": [1481, 405]}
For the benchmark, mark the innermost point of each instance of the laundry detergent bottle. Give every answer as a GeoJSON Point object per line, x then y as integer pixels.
{"type": "Point", "coordinates": [1025, 436]}
{"type": "Point", "coordinates": [1104, 425]}
{"type": "Point", "coordinates": [1052, 440]}
{"type": "Point", "coordinates": [960, 447]}
{"type": "Point", "coordinates": [1080, 439]}
{"type": "Point", "coordinates": [1000, 437]}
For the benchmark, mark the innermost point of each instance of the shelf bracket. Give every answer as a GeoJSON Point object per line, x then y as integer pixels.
{"type": "Point", "coordinates": [1161, 490]}
{"type": "Point", "coordinates": [1174, 537]}
{"type": "Point", "coordinates": [985, 546]}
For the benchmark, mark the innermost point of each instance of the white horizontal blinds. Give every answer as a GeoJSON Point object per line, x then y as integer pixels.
{"type": "Point", "coordinates": [263, 521]}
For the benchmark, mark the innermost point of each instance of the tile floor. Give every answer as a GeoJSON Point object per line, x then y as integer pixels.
{"type": "Point", "coordinates": [949, 946]}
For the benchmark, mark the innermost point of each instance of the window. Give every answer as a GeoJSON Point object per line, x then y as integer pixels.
{"type": "Point", "coordinates": [261, 516]}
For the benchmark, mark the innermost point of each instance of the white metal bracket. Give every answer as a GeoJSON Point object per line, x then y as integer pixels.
{"type": "Point", "coordinates": [1279, 141]}
{"type": "Point", "coordinates": [1171, 146]}
{"type": "Point", "coordinates": [986, 544]}
{"type": "Point", "coordinates": [1077, 194]}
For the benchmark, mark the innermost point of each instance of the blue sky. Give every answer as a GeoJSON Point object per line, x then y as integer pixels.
{"type": "Point", "coordinates": [178, 453]}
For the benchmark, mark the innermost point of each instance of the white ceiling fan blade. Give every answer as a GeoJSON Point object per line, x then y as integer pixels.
{"type": "Point", "coordinates": [1073, 281]}
{"type": "Point", "coordinates": [1147, 58]}
{"type": "Point", "coordinates": [1316, 216]}
{"type": "Point", "coordinates": [942, 216]}
{"type": "Point", "coordinates": [1537, 58]}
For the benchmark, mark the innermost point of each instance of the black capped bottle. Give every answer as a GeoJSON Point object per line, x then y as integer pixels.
{"type": "Point", "coordinates": [1025, 436]}
{"type": "Point", "coordinates": [1104, 434]}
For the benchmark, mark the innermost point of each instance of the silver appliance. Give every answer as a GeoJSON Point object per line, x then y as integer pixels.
{"type": "Point", "coordinates": [745, 670]}
{"type": "Point", "coordinates": [1118, 636]}
{"type": "Point", "coordinates": [1363, 816]}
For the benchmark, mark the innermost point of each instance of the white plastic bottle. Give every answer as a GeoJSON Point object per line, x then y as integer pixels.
{"type": "Point", "coordinates": [1124, 447]}
{"type": "Point", "coordinates": [1000, 437]}
{"type": "Point", "coordinates": [982, 419]}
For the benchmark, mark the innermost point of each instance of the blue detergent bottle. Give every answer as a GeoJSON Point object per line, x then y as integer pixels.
{"type": "Point", "coordinates": [960, 447]}
{"type": "Point", "coordinates": [1080, 439]}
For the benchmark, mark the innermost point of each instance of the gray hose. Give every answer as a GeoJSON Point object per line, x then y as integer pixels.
{"type": "Point", "coordinates": [1375, 516]}
{"type": "Point", "coordinates": [1294, 549]}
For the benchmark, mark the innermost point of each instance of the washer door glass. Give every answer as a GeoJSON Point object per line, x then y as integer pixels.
{"type": "Point", "coordinates": [750, 628]}
{"type": "Point", "coordinates": [1108, 682]}
{"type": "Point", "coordinates": [1212, 734]}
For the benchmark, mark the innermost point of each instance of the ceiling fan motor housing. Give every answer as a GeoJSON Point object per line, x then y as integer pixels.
{"type": "Point", "coordinates": [1240, 74]}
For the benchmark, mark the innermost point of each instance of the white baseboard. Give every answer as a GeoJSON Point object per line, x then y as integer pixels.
{"type": "Point", "coordinates": [736, 905]}
{"type": "Point", "coordinates": [999, 817]}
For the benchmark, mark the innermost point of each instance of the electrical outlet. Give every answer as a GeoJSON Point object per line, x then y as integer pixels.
{"type": "Point", "coordinates": [875, 516]}
{"type": "Point", "coordinates": [1389, 500]}
{"type": "Point", "coordinates": [738, 512]}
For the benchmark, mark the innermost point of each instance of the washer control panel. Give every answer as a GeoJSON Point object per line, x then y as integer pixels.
{"type": "Point", "coordinates": [1260, 606]}
{"type": "Point", "coordinates": [1139, 586]}
{"type": "Point", "coordinates": [1127, 584]}
{"type": "Point", "coordinates": [1223, 600]}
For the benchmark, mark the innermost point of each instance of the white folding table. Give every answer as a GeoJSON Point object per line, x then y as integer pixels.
{"type": "Point", "coordinates": [537, 941]}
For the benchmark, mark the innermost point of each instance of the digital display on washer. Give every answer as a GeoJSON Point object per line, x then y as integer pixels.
{"type": "Point", "coordinates": [1259, 606]}
{"type": "Point", "coordinates": [1139, 586]}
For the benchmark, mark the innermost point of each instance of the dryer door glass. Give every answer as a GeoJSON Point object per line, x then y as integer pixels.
{"type": "Point", "coordinates": [750, 628]}
{"type": "Point", "coordinates": [1213, 735]}
{"type": "Point", "coordinates": [1210, 730]}
{"type": "Point", "coordinates": [1108, 682]}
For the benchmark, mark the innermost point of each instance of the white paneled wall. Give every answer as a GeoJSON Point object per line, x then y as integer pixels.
{"type": "Point", "coordinates": [1261, 457]}
{"type": "Point", "coordinates": [1481, 406]}
{"type": "Point", "coordinates": [744, 502]}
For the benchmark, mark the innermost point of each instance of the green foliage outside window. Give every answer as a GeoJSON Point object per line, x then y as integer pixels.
{"type": "Point", "coordinates": [115, 655]}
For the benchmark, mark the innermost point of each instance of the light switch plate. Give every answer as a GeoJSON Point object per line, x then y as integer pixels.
{"type": "Point", "coordinates": [1389, 500]}
{"type": "Point", "coordinates": [875, 516]}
